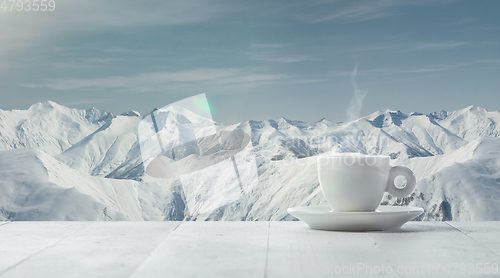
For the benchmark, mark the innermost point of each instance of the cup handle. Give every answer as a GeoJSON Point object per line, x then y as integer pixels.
{"type": "Point", "coordinates": [411, 181]}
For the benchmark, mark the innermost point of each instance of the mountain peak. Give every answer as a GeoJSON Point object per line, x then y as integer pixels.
{"type": "Point", "coordinates": [287, 122]}
{"type": "Point", "coordinates": [180, 115]}
{"type": "Point", "coordinates": [442, 114]}
{"type": "Point", "coordinates": [385, 117]}
{"type": "Point", "coordinates": [325, 121]}
{"type": "Point", "coordinates": [283, 120]}
{"type": "Point", "coordinates": [473, 108]}
{"type": "Point", "coordinates": [46, 105]}
{"type": "Point", "coordinates": [51, 103]}
{"type": "Point", "coordinates": [384, 112]}
{"type": "Point", "coordinates": [95, 115]}
{"type": "Point", "coordinates": [131, 113]}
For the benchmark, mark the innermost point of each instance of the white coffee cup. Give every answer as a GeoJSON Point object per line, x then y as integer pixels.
{"type": "Point", "coordinates": [356, 182]}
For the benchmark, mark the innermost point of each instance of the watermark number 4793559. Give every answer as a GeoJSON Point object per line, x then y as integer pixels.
{"type": "Point", "coordinates": [28, 5]}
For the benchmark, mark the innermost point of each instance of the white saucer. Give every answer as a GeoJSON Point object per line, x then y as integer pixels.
{"type": "Point", "coordinates": [383, 218]}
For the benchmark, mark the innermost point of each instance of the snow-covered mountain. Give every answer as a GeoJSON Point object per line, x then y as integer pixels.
{"type": "Point", "coordinates": [59, 163]}
{"type": "Point", "coordinates": [48, 126]}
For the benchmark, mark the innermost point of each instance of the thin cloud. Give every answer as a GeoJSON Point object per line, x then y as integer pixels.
{"type": "Point", "coordinates": [439, 46]}
{"type": "Point", "coordinates": [489, 61]}
{"type": "Point", "coordinates": [151, 81]}
{"type": "Point", "coordinates": [375, 47]}
{"type": "Point", "coordinates": [285, 59]}
{"type": "Point", "coordinates": [278, 57]}
{"type": "Point", "coordinates": [427, 69]}
{"type": "Point", "coordinates": [364, 11]}
{"type": "Point", "coordinates": [416, 46]}
{"type": "Point", "coordinates": [115, 50]}
{"type": "Point", "coordinates": [27, 28]}
{"type": "Point", "coordinates": [268, 45]}
{"type": "Point", "coordinates": [100, 60]}
{"type": "Point", "coordinates": [367, 10]}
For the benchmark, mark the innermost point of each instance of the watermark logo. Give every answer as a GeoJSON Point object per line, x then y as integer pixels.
{"type": "Point", "coordinates": [215, 164]}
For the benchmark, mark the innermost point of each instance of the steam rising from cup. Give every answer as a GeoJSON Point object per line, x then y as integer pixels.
{"type": "Point", "coordinates": [356, 100]}
{"type": "Point", "coordinates": [352, 136]}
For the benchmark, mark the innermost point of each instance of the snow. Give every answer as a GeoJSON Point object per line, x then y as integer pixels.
{"type": "Point", "coordinates": [102, 151]}
{"type": "Point", "coordinates": [48, 126]}
{"type": "Point", "coordinates": [58, 163]}
{"type": "Point", "coordinates": [35, 186]}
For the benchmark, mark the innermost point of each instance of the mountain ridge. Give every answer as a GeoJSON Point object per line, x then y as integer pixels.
{"type": "Point", "coordinates": [449, 151]}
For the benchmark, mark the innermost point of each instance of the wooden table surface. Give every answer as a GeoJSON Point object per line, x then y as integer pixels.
{"type": "Point", "coordinates": [245, 249]}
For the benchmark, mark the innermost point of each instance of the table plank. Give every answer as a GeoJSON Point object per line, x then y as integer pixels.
{"type": "Point", "coordinates": [486, 233]}
{"type": "Point", "coordinates": [432, 249]}
{"type": "Point", "coordinates": [20, 240]}
{"type": "Point", "coordinates": [102, 249]}
{"type": "Point", "coordinates": [295, 250]}
{"type": "Point", "coordinates": [210, 249]}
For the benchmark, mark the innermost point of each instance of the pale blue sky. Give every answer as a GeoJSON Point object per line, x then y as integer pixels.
{"type": "Point", "coordinates": [254, 60]}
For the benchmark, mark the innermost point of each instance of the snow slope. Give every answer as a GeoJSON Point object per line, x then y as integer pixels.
{"type": "Point", "coordinates": [35, 186]}
{"type": "Point", "coordinates": [103, 150]}
{"type": "Point", "coordinates": [461, 185]}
